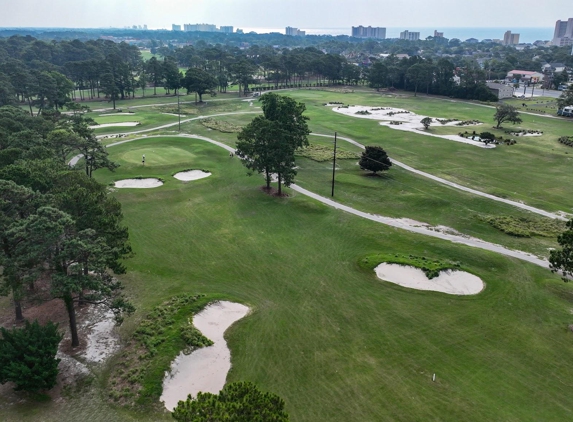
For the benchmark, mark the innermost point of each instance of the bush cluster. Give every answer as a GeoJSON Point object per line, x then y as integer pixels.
{"type": "Point", "coordinates": [431, 267]}
{"type": "Point", "coordinates": [566, 140]}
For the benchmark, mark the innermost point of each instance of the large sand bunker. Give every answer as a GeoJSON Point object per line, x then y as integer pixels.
{"type": "Point", "coordinates": [400, 119]}
{"type": "Point", "coordinates": [139, 183]}
{"type": "Point", "coordinates": [187, 176]}
{"type": "Point", "coordinates": [124, 124]}
{"type": "Point", "coordinates": [205, 369]}
{"type": "Point", "coordinates": [451, 282]}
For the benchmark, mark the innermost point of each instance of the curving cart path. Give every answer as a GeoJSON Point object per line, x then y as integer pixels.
{"type": "Point", "coordinates": [392, 222]}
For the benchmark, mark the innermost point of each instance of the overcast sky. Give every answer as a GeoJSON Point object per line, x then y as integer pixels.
{"type": "Point", "coordinates": [278, 14]}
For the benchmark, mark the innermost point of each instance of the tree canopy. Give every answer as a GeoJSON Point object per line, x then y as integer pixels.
{"type": "Point", "coordinates": [506, 113]}
{"type": "Point", "coordinates": [237, 402]}
{"type": "Point", "coordinates": [269, 142]}
{"type": "Point", "coordinates": [375, 159]}
{"type": "Point", "coordinates": [561, 260]}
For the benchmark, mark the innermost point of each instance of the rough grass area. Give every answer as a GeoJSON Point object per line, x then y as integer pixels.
{"type": "Point", "coordinates": [221, 125]}
{"type": "Point", "coordinates": [431, 267]}
{"type": "Point", "coordinates": [322, 153]}
{"type": "Point", "coordinates": [137, 377]}
{"type": "Point", "coordinates": [526, 227]}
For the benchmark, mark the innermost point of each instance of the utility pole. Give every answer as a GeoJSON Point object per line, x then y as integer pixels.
{"type": "Point", "coordinates": [334, 164]}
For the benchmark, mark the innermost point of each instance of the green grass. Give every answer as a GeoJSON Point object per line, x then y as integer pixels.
{"type": "Point", "coordinates": [325, 334]}
{"type": "Point", "coordinates": [431, 268]}
{"type": "Point", "coordinates": [543, 180]}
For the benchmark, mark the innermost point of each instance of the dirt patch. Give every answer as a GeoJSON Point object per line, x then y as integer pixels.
{"type": "Point", "coordinates": [273, 192]}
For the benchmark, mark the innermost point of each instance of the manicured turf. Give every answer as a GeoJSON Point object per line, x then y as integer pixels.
{"type": "Point", "coordinates": [325, 334]}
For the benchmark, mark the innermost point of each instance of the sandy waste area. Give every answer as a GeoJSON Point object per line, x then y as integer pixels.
{"type": "Point", "coordinates": [451, 282]}
{"type": "Point", "coordinates": [187, 176]}
{"type": "Point", "coordinates": [122, 124]}
{"type": "Point", "coordinates": [410, 122]}
{"type": "Point", "coordinates": [205, 369]}
{"type": "Point", "coordinates": [139, 183]}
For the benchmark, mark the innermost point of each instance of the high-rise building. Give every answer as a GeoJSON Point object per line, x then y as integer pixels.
{"type": "Point", "coordinates": [201, 27]}
{"type": "Point", "coordinates": [226, 29]}
{"type": "Point", "coordinates": [294, 32]}
{"type": "Point", "coordinates": [369, 32]}
{"type": "Point", "coordinates": [410, 36]}
{"type": "Point", "coordinates": [438, 34]}
{"type": "Point", "coordinates": [510, 39]}
{"type": "Point", "coordinates": [175, 27]}
{"type": "Point", "coordinates": [563, 34]}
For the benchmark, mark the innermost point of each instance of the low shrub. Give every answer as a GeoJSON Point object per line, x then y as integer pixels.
{"type": "Point", "coordinates": [221, 125]}
{"type": "Point", "coordinates": [566, 140]}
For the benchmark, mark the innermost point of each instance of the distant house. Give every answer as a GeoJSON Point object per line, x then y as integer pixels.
{"type": "Point", "coordinates": [501, 91]}
{"type": "Point", "coordinates": [524, 75]}
{"type": "Point", "coordinates": [472, 40]}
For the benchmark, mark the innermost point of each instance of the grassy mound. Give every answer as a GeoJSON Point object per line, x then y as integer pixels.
{"type": "Point", "coordinates": [431, 268]}
{"type": "Point", "coordinates": [167, 330]}
{"type": "Point", "coordinates": [322, 153]}
{"type": "Point", "coordinates": [526, 227]}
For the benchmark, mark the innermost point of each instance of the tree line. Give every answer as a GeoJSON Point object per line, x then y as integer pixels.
{"type": "Point", "coordinates": [61, 234]}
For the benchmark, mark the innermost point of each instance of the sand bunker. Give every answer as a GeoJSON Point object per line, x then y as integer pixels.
{"type": "Point", "coordinates": [187, 176]}
{"type": "Point", "coordinates": [451, 282]}
{"type": "Point", "coordinates": [139, 183]}
{"type": "Point", "coordinates": [400, 119]}
{"type": "Point", "coordinates": [205, 369]}
{"type": "Point", "coordinates": [125, 124]}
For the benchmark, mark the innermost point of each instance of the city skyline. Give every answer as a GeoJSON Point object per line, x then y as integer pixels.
{"type": "Point", "coordinates": [109, 13]}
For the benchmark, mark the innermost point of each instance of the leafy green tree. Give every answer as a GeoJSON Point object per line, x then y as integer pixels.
{"type": "Point", "coordinates": [506, 113]}
{"type": "Point", "coordinates": [16, 203]}
{"type": "Point", "coordinates": [426, 121]}
{"type": "Point", "coordinates": [242, 73]}
{"type": "Point", "coordinates": [155, 72]}
{"type": "Point", "coordinates": [378, 75]}
{"type": "Point", "coordinates": [566, 98]}
{"type": "Point", "coordinates": [109, 87]}
{"type": "Point", "coordinates": [199, 81]}
{"type": "Point", "coordinates": [237, 402]}
{"type": "Point", "coordinates": [28, 356]}
{"type": "Point", "coordinates": [374, 159]}
{"type": "Point", "coordinates": [561, 260]}
{"type": "Point", "coordinates": [171, 75]}
{"type": "Point", "coordinates": [268, 143]}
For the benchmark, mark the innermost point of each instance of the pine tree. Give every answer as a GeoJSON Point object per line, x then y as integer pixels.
{"type": "Point", "coordinates": [28, 356]}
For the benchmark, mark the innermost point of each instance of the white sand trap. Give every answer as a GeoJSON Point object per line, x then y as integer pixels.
{"type": "Point", "coordinates": [116, 114]}
{"type": "Point", "coordinates": [122, 124]}
{"type": "Point", "coordinates": [451, 282]}
{"type": "Point", "coordinates": [410, 122]}
{"type": "Point", "coordinates": [205, 369]}
{"type": "Point", "coordinates": [187, 176]}
{"type": "Point", "coordinates": [139, 183]}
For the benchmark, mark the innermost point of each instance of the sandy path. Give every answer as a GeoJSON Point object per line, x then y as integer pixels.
{"type": "Point", "coordinates": [457, 186]}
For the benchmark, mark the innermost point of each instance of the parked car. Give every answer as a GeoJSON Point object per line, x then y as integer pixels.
{"type": "Point", "coordinates": [565, 111]}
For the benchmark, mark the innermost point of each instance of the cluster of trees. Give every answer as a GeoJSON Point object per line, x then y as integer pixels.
{"type": "Point", "coordinates": [566, 98]}
{"type": "Point", "coordinates": [267, 144]}
{"type": "Point", "coordinates": [61, 234]}
{"type": "Point", "coordinates": [416, 73]}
